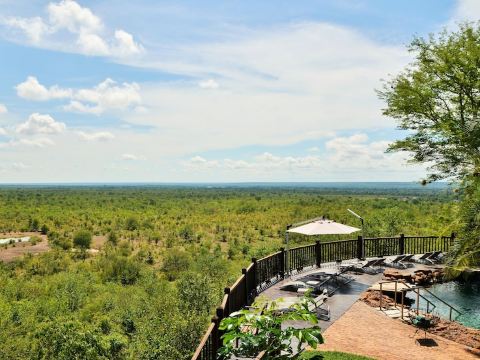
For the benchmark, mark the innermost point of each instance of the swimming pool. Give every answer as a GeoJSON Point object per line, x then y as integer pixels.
{"type": "Point", "coordinates": [463, 296]}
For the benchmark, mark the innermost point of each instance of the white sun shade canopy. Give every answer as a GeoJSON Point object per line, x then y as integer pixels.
{"type": "Point", "coordinates": [323, 227]}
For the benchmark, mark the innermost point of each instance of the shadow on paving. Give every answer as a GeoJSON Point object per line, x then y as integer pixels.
{"type": "Point", "coordinates": [343, 298]}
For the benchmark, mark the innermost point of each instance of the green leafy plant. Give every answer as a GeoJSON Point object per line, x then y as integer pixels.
{"type": "Point", "coordinates": [260, 329]}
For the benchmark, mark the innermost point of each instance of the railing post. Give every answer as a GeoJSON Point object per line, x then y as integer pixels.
{"type": "Point", "coordinates": [452, 238]}
{"type": "Point", "coordinates": [227, 312]}
{"type": "Point", "coordinates": [254, 268]}
{"type": "Point", "coordinates": [403, 296]}
{"type": "Point", "coordinates": [244, 273]}
{"type": "Point", "coordinates": [318, 253]}
{"type": "Point", "coordinates": [282, 263]}
{"type": "Point", "coordinates": [360, 254]}
{"type": "Point", "coordinates": [216, 341]}
{"type": "Point", "coordinates": [401, 244]}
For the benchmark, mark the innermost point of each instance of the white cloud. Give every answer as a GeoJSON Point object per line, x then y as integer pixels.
{"type": "Point", "coordinates": [3, 132]}
{"type": "Point", "coordinates": [125, 44]}
{"type": "Point", "coordinates": [70, 15]}
{"type": "Point", "coordinates": [314, 149]}
{"type": "Point", "coordinates": [209, 84]}
{"type": "Point", "coordinates": [129, 157]}
{"type": "Point", "coordinates": [200, 162]}
{"type": "Point", "coordinates": [15, 166]}
{"type": "Point", "coordinates": [37, 142]}
{"type": "Point", "coordinates": [77, 106]}
{"type": "Point", "coordinates": [96, 136]}
{"type": "Point", "coordinates": [3, 109]}
{"type": "Point", "coordinates": [70, 27]}
{"type": "Point", "coordinates": [40, 124]}
{"type": "Point", "coordinates": [92, 44]}
{"type": "Point", "coordinates": [107, 95]}
{"type": "Point", "coordinates": [31, 89]}
{"type": "Point", "coordinates": [346, 158]}
{"type": "Point", "coordinates": [466, 10]}
{"type": "Point", "coordinates": [279, 86]}
{"type": "Point", "coordinates": [34, 28]}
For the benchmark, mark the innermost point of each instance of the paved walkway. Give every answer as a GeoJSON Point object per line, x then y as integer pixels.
{"type": "Point", "coordinates": [338, 304]}
{"type": "Point", "coordinates": [365, 331]}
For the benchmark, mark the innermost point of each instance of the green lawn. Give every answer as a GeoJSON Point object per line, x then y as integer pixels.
{"type": "Point", "coordinates": [333, 355]}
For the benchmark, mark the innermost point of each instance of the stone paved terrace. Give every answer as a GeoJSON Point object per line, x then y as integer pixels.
{"type": "Point", "coordinates": [339, 303]}
{"type": "Point", "coordinates": [358, 328]}
{"type": "Point", "coordinates": [342, 299]}
{"type": "Point", "coordinates": [365, 331]}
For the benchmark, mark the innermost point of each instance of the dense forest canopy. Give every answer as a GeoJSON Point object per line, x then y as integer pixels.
{"type": "Point", "coordinates": [166, 254]}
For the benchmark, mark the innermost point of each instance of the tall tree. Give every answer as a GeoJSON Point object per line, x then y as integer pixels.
{"type": "Point", "coordinates": [437, 100]}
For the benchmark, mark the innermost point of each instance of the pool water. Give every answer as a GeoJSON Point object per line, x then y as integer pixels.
{"type": "Point", "coordinates": [463, 296]}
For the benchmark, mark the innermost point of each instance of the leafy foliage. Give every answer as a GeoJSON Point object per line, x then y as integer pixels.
{"type": "Point", "coordinates": [437, 99]}
{"type": "Point", "coordinates": [82, 239]}
{"type": "Point", "coordinates": [265, 332]}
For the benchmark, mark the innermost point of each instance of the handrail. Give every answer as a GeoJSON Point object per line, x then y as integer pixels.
{"type": "Point", "coordinates": [269, 256]}
{"type": "Point", "coordinates": [204, 340]}
{"type": "Point", "coordinates": [418, 288]}
{"type": "Point", "coordinates": [445, 303]}
{"type": "Point", "coordinates": [235, 284]}
{"type": "Point", "coordinates": [410, 288]}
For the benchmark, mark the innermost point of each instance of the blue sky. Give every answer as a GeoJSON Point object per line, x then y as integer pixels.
{"type": "Point", "coordinates": [185, 91]}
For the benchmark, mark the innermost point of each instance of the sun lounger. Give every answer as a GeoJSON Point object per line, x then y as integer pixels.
{"type": "Point", "coordinates": [424, 258]}
{"type": "Point", "coordinates": [407, 261]}
{"type": "Point", "coordinates": [397, 262]}
{"type": "Point", "coordinates": [408, 258]}
{"type": "Point", "coordinates": [434, 258]}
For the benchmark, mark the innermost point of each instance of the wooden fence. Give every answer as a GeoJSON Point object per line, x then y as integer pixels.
{"type": "Point", "coordinates": [263, 273]}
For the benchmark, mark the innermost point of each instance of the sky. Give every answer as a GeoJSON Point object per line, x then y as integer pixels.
{"type": "Point", "coordinates": [206, 91]}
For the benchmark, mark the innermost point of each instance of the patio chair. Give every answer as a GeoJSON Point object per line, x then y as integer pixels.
{"type": "Point", "coordinates": [434, 258]}
{"type": "Point", "coordinates": [397, 262]}
{"type": "Point", "coordinates": [370, 267]}
{"type": "Point", "coordinates": [407, 260]}
{"type": "Point", "coordinates": [424, 258]}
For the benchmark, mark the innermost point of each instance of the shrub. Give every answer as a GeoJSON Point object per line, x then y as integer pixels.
{"type": "Point", "coordinates": [131, 224]}
{"type": "Point", "coordinates": [34, 240]}
{"type": "Point", "coordinates": [175, 262]}
{"type": "Point", "coordinates": [112, 238]}
{"type": "Point", "coordinates": [82, 239]}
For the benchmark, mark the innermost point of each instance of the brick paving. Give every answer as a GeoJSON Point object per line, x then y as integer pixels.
{"type": "Point", "coordinates": [365, 331]}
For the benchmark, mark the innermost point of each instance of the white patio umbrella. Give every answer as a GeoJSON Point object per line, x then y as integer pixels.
{"type": "Point", "coordinates": [323, 227]}
{"type": "Point", "coordinates": [319, 226]}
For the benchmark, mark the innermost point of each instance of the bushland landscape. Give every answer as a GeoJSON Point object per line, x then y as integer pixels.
{"type": "Point", "coordinates": [162, 256]}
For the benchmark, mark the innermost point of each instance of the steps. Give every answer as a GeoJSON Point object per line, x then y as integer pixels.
{"type": "Point", "coordinates": [394, 312]}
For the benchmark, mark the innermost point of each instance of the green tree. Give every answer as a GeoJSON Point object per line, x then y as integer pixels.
{"type": "Point", "coordinates": [197, 293]}
{"type": "Point", "coordinates": [68, 340]}
{"type": "Point", "coordinates": [82, 239]}
{"type": "Point", "coordinates": [176, 262]}
{"type": "Point", "coordinates": [437, 100]}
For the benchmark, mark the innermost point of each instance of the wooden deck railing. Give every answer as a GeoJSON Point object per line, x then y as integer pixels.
{"type": "Point", "coordinates": [263, 273]}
